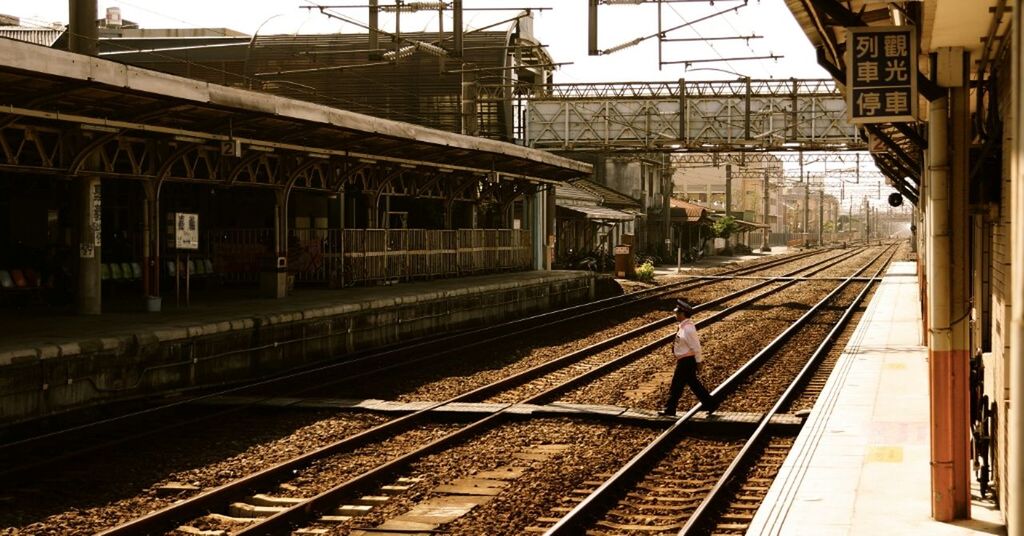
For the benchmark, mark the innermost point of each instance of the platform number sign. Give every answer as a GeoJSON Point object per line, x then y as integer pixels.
{"type": "Point", "coordinates": [186, 230]}
{"type": "Point", "coordinates": [881, 77]}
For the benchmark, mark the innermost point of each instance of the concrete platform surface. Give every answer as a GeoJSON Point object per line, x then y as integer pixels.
{"type": "Point", "coordinates": [52, 362]}
{"type": "Point", "coordinates": [860, 466]}
{"type": "Point", "coordinates": [717, 261]}
{"type": "Point", "coordinates": [41, 332]}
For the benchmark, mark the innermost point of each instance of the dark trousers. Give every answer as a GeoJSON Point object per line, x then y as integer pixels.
{"type": "Point", "coordinates": [686, 374]}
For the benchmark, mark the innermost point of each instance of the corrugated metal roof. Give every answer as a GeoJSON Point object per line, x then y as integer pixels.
{"type": "Point", "coordinates": [37, 36]}
{"type": "Point", "coordinates": [600, 213]}
{"type": "Point", "coordinates": [98, 91]}
{"type": "Point", "coordinates": [569, 195]}
{"type": "Point", "coordinates": [686, 211]}
{"type": "Point", "coordinates": [608, 196]}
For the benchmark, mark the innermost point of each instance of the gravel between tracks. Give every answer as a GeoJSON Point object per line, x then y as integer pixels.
{"type": "Point", "coordinates": [727, 345]}
{"type": "Point", "coordinates": [95, 494]}
{"type": "Point", "coordinates": [447, 378]}
{"type": "Point", "coordinates": [591, 449]}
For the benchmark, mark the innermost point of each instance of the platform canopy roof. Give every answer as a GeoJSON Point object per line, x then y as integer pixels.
{"type": "Point", "coordinates": [741, 225]}
{"type": "Point", "coordinates": [600, 214]}
{"type": "Point", "coordinates": [61, 87]}
{"type": "Point", "coordinates": [686, 212]}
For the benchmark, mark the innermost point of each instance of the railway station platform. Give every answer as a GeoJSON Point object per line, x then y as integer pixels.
{"type": "Point", "coordinates": [717, 261]}
{"type": "Point", "coordinates": [52, 362]}
{"type": "Point", "coordinates": [861, 465]}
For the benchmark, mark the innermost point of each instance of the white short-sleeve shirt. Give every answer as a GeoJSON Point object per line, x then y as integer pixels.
{"type": "Point", "coordinates": [687, 342]}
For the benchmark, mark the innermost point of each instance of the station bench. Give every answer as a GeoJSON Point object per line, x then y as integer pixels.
{"type": "Point", "coordinates": [22, 286]}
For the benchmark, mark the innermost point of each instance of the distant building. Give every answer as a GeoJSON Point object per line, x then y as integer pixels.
{"type": "Point", "coordinates": [11, 27]}
{"type": "Point", "coordinates": [417, 80]}
{"type": "Point", "coordinates": [707, 186]}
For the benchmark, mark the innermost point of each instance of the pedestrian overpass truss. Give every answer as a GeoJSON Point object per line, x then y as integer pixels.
{"type": "Point", "coordinates": [708, 116]}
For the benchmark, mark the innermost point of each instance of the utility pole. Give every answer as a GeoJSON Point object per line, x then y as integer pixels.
{"type": "Point", "coordinates": [821, 217]}
{"type": "Point", "coordinates": [765, 247]}
{"type": "Point", "coordinates": [807, 213]}
{"type": "Point", "coordinates": [728, 190]}
{"type": "Point", "coordinates": [374, 26]}
{"type": "Point", "coordinates": [807, 198]}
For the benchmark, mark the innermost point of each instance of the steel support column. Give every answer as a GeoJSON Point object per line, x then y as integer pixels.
{"type": "Point", "coordinates": [960, 289]}
{"type": "Point", "coordinates": [948, 353]}
{"type": "Point", "coordinates": [90, 299]}
{"type": "Point", "coordinates": [765, 246]}
{"type": "Point", "coordinates": [538, 227]}
{"type": "Point", "coordinates": [82, 38]}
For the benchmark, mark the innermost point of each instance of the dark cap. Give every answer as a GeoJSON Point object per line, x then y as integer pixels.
{"type": "Point", "coordinates": [683, 307]}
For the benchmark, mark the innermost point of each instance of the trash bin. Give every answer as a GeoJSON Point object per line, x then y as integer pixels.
{"type": "Point", "coordinates": [274, 277]}
{"type": "Point", "coordinates": [625, 266]}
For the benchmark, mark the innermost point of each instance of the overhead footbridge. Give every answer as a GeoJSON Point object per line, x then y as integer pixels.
{"type": "Point", "coordinates": [735, 115]}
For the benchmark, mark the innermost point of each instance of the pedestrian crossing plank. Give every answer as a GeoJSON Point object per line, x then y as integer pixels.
{"type": "Point", "coordinates": [472, 486]}
{"type": "Point", "coordinates": [669, 507]}
{"type": "Point", "coordinates": [221, 518]}
{"type": "Point", "coordinates": [644, 517]}
{"type": "Point", "coordinates": [733, 526]}
{"type": "Point", "coordinates": [639, 528]}
{"type": "Point", "coordinates": [192, 531]}
{"type": "Point", "coordinates": [508, 472]}
{"type": "Point", "coordinates": [335, 519]}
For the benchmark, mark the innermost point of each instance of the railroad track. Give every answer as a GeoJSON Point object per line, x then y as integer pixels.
{"type": "Point", "coordinates": [306, 511]}
{"type": "Point", "coordinates": [372, 436]}
{"type": "Point", "coordinates": [608, 508]}
{"type": "Point", "coordinates": [28, 454]}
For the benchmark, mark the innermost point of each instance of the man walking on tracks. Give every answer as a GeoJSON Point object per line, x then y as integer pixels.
{"type": "Point", "coordinates": [686, 349]}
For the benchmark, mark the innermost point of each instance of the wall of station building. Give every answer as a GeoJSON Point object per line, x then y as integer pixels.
{"type": "Point", "coordinates": [997, 363]}
{"type": "Point", "coordinates": [992, 275]}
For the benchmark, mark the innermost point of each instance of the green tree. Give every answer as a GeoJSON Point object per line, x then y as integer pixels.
{"type": "Point", "coordinates": [725, 227]}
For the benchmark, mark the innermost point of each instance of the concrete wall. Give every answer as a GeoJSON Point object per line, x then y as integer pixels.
{"type": "Point", "coordinates": [54, 378]}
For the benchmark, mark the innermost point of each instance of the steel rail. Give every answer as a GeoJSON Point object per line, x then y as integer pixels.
{"type": "Point", "coordinates": [349, 367]}
{"type": "Point", "coordinates": [577, 355]}
{"type": "Point", "coordinates": [704, 510]}
{"type": "Point", "coordinates": [309, 508]}
{"type": "Point", "coordinates": [219, 497]}
{"type": "Point", "coordinates": [572, 522]}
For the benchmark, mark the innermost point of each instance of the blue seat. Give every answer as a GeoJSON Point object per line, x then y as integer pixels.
{"type": "Point", "coordinates": [104, 272]}
{"type": "Point", "coordinates": [191, 268]}
{"type": "Point", "coordinates": [137, 270]}
{"type": "Point", "coordinates": [200, 268]}
{"type": "Point", "coordinates": [171, 271]}
{"type": "Point", "coordinates": [6, 282]}
{"type": "Point", "coordinates": [127, 272]}
{"type": "Point", "coordinates": [209, 266]}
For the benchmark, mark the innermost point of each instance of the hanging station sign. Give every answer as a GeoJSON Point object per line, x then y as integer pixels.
{"type": "Point", "coordinates": [881, 76]}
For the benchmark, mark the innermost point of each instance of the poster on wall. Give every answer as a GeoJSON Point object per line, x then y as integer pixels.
{"type": "Point", "coordinates": [186, 230]}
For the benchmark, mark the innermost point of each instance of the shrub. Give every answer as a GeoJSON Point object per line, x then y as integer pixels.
{"type": "Point", "coordinates": [645, 272]}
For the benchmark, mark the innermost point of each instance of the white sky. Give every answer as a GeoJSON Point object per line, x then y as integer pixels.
{"type": "Point", "coordinates": [563, 28]}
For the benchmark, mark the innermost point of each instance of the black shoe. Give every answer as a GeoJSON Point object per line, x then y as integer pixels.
{"type": "Point", "coordinates": [667, 413]}
{"type": "Point", "coordinates": [710, 409]}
